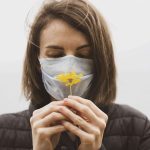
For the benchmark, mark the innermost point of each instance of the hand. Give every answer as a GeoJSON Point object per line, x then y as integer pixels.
{"type": "Point", "coordinates": [91, 121]}
{"type": "Point", "coordinates": [46, 127]}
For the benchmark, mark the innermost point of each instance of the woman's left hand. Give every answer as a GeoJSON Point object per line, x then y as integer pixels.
{"type": "Point", "coordinates": [89, 125]}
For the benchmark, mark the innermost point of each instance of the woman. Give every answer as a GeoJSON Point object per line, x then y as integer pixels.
{"type": "Point", "coordinates": [69, 76]}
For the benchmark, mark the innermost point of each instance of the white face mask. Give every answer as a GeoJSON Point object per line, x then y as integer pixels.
{"type": "Point", "coordinates": [51, 67]}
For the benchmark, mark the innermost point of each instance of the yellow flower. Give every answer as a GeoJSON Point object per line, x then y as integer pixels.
{"type": "Point", "coordinates": [69, 79]}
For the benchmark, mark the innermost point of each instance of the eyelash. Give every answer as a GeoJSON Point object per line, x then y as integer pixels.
{"type": "Point", "coordinates": [84, 54]}
{"type": "Point", "coordinates": [56, 55]}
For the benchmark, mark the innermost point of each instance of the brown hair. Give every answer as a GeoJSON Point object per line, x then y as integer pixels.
{"type": "Point", "coordinates": [84, 17]}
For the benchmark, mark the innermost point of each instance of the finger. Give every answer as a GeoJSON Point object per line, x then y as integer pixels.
{"type": "Point", "coordinates": [78, 132]}
{"type": "Point", "coordinates": [45, 110]}
{"type": "Point", "coordinates": [83, 109]}
{"type": "Point", "coordinates": [49, 120]}
{"type": "Point", "coordinates": [91, 105]}
{"type": "Point", "coordinates": [49, 131]}
{"type": "Point", "coordinates": [77, 120]}
{"type": "Point", "coordinates": [41, 116]}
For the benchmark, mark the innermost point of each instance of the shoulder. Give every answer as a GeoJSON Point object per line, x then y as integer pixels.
{"type": "Point", "coordinates": [127, 120]}
{"type": "Point", "coordinates": [17, 120]}
{"type": "Point", "coordinates": [126, 111]}
{"type": "Point", "coordinates": [14, 129]}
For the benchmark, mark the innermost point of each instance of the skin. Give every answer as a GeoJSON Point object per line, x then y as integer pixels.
{"type": "Point", "coordinates": [62, 35]}
{"type": "Point", "coordinates": [87, 121]}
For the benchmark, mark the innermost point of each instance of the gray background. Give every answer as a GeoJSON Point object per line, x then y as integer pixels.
{"type": "Point", "coordinates": [129, 25]}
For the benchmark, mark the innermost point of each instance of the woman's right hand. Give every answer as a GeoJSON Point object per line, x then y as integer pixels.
{"type": "Point", "coordinates": [46, 126]}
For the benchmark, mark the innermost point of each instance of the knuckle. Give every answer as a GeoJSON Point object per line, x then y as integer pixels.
{"type": "Point", "coordinates": [106, 117]}
{"type": "Point", "coordinates": [53, 103]}
{"type": "Point", "coordinates": [61, 107]}
{"type": "Point", "coordinates": [40, 132]}
{"type": "Point", "coordinates": [35, 112]}
{"type": "Point", "coordinates": [74, 130]}
{"type": "Point", "coordinates": [78, 121]}
{"type": "Point", "coordinates": [54, 115]}
{"type": "Point", "coordinates": [34, 126]}
{"type": "Point", "coordinates": [102, 124]}
{"type": "Point", "coordinates": [97, 133]}
{"type": "Point", "coordinates": [31, 120]}
{"type": "Point", "coordinates": [84, 109]}
{"type": "Point", "coordinates": [88, 102]}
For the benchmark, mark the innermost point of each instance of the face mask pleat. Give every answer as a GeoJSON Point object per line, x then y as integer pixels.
{"type": "Point", "coordinates": [51, 67]}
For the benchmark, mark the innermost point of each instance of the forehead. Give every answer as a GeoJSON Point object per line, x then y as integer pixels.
{"type": "Point", "coordinates": [59, 31]}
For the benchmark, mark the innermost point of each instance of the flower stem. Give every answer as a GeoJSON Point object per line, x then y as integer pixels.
{"type": "Point", "coordinates": [70, 90]}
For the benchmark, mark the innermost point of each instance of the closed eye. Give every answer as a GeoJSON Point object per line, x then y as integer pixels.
{"type": "Point", "coordinates": [84, 53]}
{"type": "Point", "coordinates": [55, 51]}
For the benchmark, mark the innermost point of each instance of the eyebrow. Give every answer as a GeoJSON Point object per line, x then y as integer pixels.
{"type": "Point", "coordinates": [59, 47]}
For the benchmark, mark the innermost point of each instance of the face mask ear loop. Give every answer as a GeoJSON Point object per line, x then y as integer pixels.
{"type": "Point", "coordinates": [33, 44]}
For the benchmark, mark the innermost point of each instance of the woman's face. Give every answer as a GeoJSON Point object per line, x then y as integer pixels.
{"type": "Point", "coordinates": [59, 39]}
